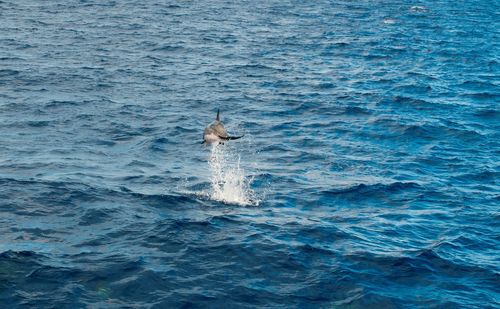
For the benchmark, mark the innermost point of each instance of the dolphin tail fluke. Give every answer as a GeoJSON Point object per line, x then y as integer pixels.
{"type": "Point", "coordinates": [217, 118]}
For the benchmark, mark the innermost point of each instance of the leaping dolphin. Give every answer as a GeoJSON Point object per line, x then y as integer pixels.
{"type": "Point", "coordinates": [216, 133]}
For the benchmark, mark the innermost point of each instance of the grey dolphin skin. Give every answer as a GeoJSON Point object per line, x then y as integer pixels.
{"type": "Point", "coordinates": [216, 133]}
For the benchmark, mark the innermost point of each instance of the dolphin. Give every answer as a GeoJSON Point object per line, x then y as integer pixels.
{"type": "Point", "coordinates": [216, 133]}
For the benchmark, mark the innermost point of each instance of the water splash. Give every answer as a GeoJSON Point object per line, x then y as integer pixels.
{"type": "Point", "coordinates": [229, 183]}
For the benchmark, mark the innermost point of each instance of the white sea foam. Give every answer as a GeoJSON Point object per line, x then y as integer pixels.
{"type": "Point", "coordinates": [228, 179]}
{"type": "Point", "coordinates": [419, 9]}
{"type": "Point", "coordinates": [389, 21]}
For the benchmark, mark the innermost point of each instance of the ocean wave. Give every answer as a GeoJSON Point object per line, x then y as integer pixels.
{"type": "Point", "coordinates": [70, 193]}
{"type": "Point", "coordinates": [20, 256]}
{"type": "Point", "coordinates": [419, 104]}
{"type": "Point", "coordinates": [488, 113]}
{"type": "Point", "coordinates": [169, 48]}
{"type": "Point", "coordinates": [8, 73]}
{"type": "Point", "coordinates": [62, 103]}
{"type": "Point", "coordinates": [423, 262]}
{"type": "Point", "coordinates": [376, 188]}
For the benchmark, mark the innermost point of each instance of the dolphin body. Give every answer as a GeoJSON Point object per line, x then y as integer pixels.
{"type": "Point", "coordinates": [216, 133]}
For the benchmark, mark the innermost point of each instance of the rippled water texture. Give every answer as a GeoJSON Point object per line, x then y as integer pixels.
{"type": "Point", "coordinates": [367, 177]}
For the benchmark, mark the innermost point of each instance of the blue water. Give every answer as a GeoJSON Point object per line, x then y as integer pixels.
{"type": "Point", "coordinates": [368, 176]}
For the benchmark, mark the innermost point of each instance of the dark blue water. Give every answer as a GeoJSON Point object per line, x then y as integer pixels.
{"type": "Point", "coordinates": [368, 176]}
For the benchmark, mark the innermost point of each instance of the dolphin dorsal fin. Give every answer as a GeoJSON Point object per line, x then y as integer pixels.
{"type": "Point", "coordinates": [217, 118]}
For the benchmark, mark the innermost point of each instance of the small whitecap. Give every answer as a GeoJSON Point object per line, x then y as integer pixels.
{"type": "Point", "coordinates": [419, 9]}
{"type": "Point", "coordinates": [389, 21]}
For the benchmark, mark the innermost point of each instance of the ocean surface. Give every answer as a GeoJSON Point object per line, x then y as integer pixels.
{"type": "Point", "coordinates": [367, 177]}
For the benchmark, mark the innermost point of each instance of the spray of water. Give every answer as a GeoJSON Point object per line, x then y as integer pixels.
{"type": "Point", "coordinates": [229, 183]}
